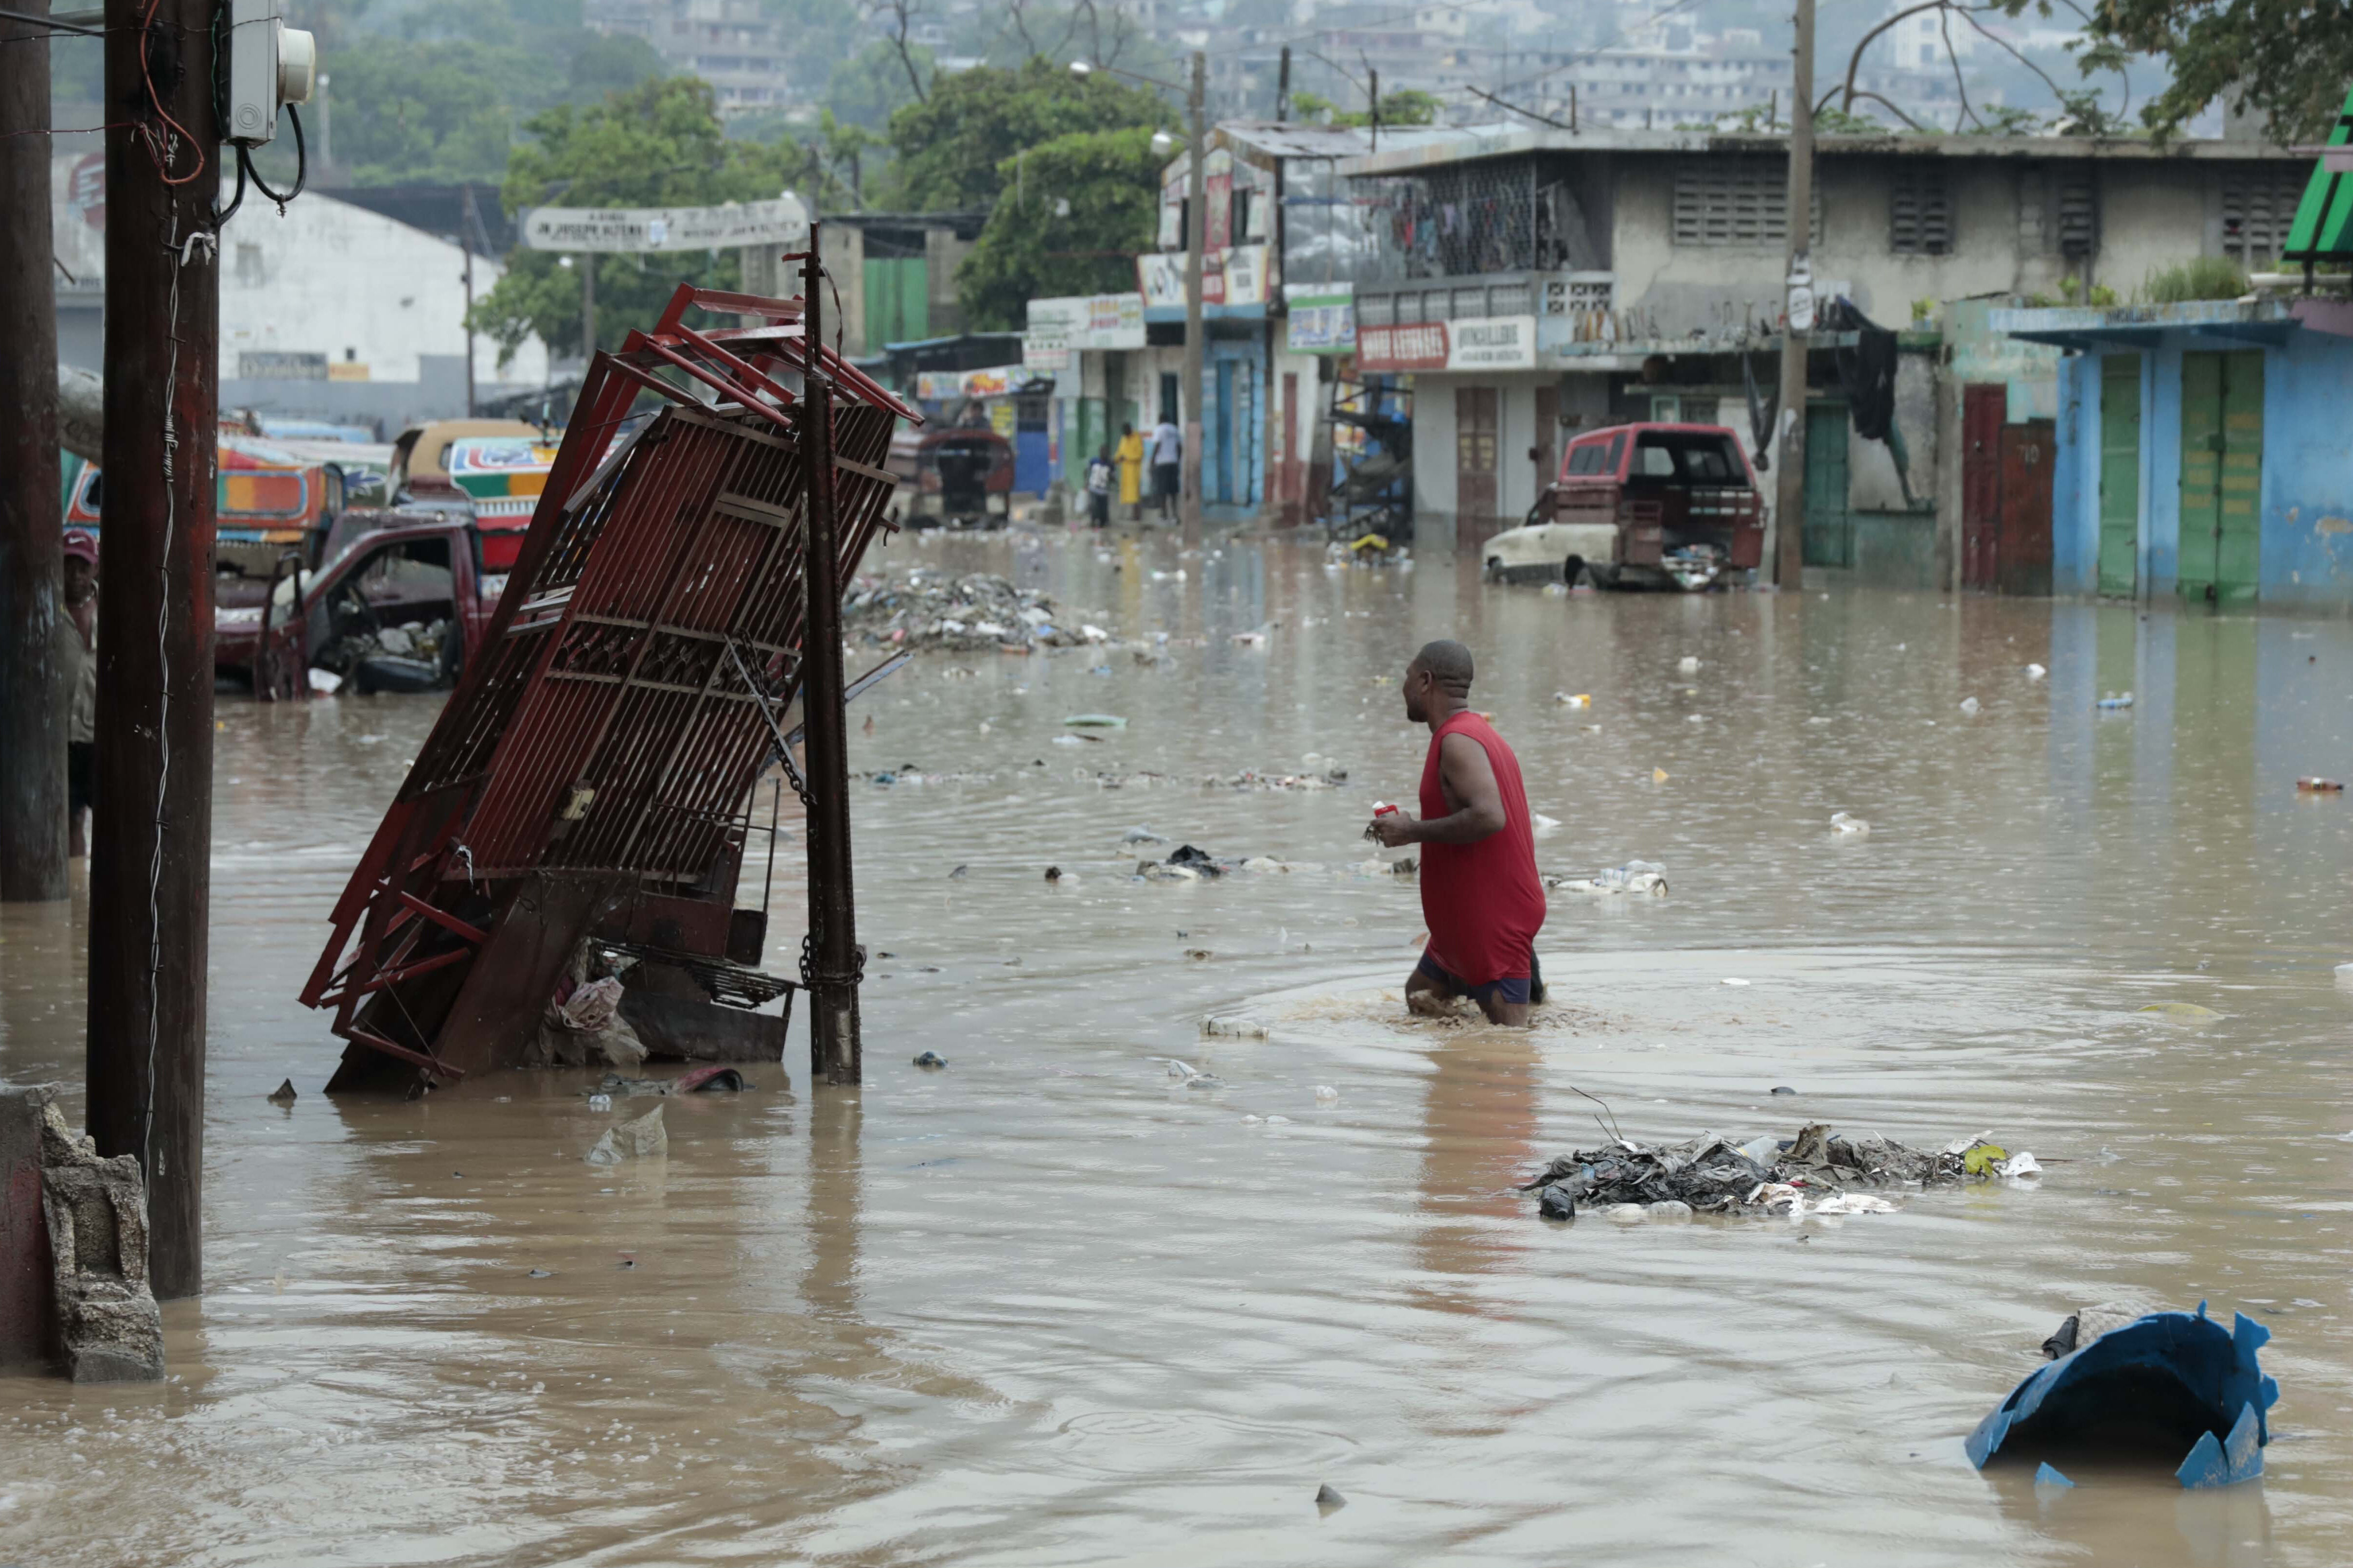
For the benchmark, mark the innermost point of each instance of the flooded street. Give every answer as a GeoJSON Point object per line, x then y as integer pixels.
{"type": "Point", "coordinates": [1052, 1306]}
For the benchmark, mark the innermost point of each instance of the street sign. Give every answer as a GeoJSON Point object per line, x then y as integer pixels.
{"type": "Point", "coordinates": [649, 230]}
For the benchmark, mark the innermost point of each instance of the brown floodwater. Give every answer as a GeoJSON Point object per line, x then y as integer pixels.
{"type": "Point", "coordinates": [1052, 1306]}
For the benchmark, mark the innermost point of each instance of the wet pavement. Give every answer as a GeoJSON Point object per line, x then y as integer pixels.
{"type": "Point", "coordinates": [1052, 1306]}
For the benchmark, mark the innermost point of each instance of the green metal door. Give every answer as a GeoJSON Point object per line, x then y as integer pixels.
{"type": "Point", "coordinates": [898, 301]}
{"type": "Point", "coordinates": [2221, 474]}
{"type": "Point", "coordinates": [2120, 475]}
{"type": "Point", "coordinates": [1829, 526]}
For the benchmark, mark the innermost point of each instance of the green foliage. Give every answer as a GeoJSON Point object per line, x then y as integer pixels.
{"type": "Point", "coordinates": [2204, 278]}
{"type": "Point", "coordinates": [2011, 120]}
{"type": "Point", "coordinates": [870, 85]}
{"type": "Point", "coordinates": [1407, 106]}
{"type": "Point", "coordinates": [2287, 61]}
{"type": "Point", "coordinates": [442, 99]}
{"type": "Point", "coordinates": [1922, 309]}
{"type": "Point", "coordinates": [832, 161]}
{"type": "Point", "coordinates": [658, 145]}
{"type": "Point", "coordinates": [953, 148]}
{"type": "Point", "coordinates": [2103, 298]}
{"type": "Point", "coordinates": [1036, 246]}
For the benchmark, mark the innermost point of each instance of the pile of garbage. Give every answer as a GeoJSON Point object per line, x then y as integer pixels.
{"type": "Point", "coordinates": [1255, 778]}
{"type": "Point", "coordinates": [928, 607]}
{"type": "Point", "coordinates": [1814, 1173]}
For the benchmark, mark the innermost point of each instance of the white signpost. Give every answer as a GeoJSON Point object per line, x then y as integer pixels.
{"type": "Point", "coordinates": [640, 231]}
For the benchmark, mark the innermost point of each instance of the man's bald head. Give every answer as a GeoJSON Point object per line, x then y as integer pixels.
{"type": "Point", "coordinates": [1449, 661]}
{"type": "Point", "coordinates": [1437, 682]}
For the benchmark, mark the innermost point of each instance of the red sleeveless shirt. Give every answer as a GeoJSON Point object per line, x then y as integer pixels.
{"type": "Point", "coordinates": [1483, 900]}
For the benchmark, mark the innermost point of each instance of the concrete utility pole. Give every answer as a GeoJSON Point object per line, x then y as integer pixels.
{"type": "Point", "coordinates": [150, 877]}
{"type": "Point", "coordinates": [835, 964]}
{"type": "Point", "coordinates": [1196, 226]}
{"type": "Point", "coordinates": [1789, 452]}
{"type": "Point", "coordinates": [33, 695]}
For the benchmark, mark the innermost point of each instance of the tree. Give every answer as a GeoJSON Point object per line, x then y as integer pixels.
{"type": "Point", "coordinates": [955, 149]}
{"type": "Point", "coordinates": [658, 145]}
{"type": "Point", "coordinates": [2286, 59]}
{"type": "Point", "coordinates": [1070, 221]}
{"type": "Point", "coordinates": [868, 86]}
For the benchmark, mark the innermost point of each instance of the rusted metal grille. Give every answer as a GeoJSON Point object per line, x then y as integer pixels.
{"type": "Point", "coordinates": [608, 729]}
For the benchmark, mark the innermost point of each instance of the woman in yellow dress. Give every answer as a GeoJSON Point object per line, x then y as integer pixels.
{"type": "Point", "coordinates": [1130, 456]}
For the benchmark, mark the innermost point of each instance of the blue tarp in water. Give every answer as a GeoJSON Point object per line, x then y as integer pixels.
{"type": "Point", "coordinates": [2165, 1373]}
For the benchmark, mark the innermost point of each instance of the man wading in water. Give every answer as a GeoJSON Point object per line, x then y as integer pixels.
{"type": "Point", "coordinates": [1479, 888]}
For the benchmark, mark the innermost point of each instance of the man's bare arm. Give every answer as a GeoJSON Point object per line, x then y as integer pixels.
{"type": "Point", "coordinates": [1470, 779]}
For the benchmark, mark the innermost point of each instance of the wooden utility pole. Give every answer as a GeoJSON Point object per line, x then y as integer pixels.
{"type": "Point", "coordinates": [1283, 88]}
{"type": "Point", "coordinates": [1197, 228]}
{"type": "Point", "coordinates": [1790, 451]}
{"type": "Point", "coordinates": [33, 693]}
{"type": "Point", "coordinates": [150, 898]}
{"type": "Point", "coordinates": [835, 964]}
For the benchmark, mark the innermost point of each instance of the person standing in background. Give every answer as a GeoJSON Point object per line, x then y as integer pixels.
{"type": "Point", "coordinates": [1130, 457]}
{"type": "Point", "coordinates": [1167, 459]}
{"type": "Point", "coordinates": [77, 643]}
{"type": "Point", "coordinates": [1098, 489]}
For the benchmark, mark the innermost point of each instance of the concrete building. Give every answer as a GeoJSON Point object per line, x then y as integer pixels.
{"type": "Point", "coordinates": [330, 310]}
{"type": "Point", "coordinates": [1533, 280]}
{"type": "Point", "coordinates": [2199, 452]}
{"type": "Point", "coordinates": [740, 47]}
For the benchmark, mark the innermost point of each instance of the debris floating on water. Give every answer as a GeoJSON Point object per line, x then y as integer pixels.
{"type": "Point", "coordinates": [1817, 1173]}
{"type": "Point", "coordinates": [930, 1061]}
{"type": "Point", "coordinates": [283, 1094]}
{"type": "Point", "coordinates": [1633, 877]}
{"type": "Point", "coordinates": [1843, 823]}
{"type": "Point", "coordinates": [2166, 1381]}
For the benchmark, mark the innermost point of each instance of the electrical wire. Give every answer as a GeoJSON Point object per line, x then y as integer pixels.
{"type": "Point", "coordinates": [159, 147]}
{"type": "Point", "coordinates": [301, 164]}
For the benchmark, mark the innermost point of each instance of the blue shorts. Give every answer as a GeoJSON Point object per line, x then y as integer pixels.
{"type": "Point", "coordinates": [1513, 988]}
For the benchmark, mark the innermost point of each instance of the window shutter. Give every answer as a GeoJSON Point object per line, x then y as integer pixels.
{"type": "Point", "coordinates": [2079, 217]}
{"type": "Point", "coordinates": [1920, 211]}
{"type": "Point", "coordinates": [2258, 210]}
{"type": "Point", "coordinates": [1733, 201]}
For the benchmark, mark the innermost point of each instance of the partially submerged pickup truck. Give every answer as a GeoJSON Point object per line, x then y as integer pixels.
{"type": "Point", "coordinates": [1640, 506]}
{"type": "Point", "coordinates": [400, 603]}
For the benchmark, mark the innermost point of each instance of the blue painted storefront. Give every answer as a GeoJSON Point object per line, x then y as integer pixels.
{"type": "Point", "coordinates": [2306, 507]}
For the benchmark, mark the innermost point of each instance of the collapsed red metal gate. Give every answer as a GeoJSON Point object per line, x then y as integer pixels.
{"type": "Point", "coordinates": [592, 773]}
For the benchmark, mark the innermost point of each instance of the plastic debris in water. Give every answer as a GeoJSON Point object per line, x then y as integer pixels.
{"type": "Point", "coordinates": [1968, 704]}
{"type": "Point", "coordinates": [930, 1061]}
{"type": "Point", "coordinates": [2036, 672]}
{"type": "Point", "coordinates": [2320, 786]}
{"type": "Point", "coordinates": [2180, 1010]}
{"type": "Point", "coordinates": [1735, 982]}
{"type": "Point", "coordinates": [1581, 700]}
{"type": "Point", "coordinates": [1658, 776]}
{"type": "Point", "coordinates": [2173, 1362]}
{"type": "Point", "coordinates": [1095, 721]}
{"type": "Point", "coordinates": [1325, 1092]}
{"type": "Point", "coordinates": [2112, 702]}
{"type": "Point", "coordinates": [1841, 822]}
{"type": "Point", "coordinates": [2047, 1476]}
{"type": "Point", "coordinates": [2020, 1164]}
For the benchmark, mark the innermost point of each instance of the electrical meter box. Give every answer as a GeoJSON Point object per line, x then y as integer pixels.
{"type": "Point", "coordinates": [269, 65]}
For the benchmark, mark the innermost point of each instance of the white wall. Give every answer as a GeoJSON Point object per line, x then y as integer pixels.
{"type": "Point", "coordinates": [333, 278]}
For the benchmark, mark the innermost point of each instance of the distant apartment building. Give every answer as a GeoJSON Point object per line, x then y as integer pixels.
{"type": "Point", "coordinates": [736, 45]}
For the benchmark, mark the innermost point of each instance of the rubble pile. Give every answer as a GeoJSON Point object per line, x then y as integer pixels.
{"type": "Point", "coordinates": [1815, 1172]}
{"type": "Point", "coordinates": [926, 608]}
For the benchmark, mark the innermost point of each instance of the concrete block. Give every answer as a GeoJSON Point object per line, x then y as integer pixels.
{"type": "Point", "coordinates": [108, 1325]}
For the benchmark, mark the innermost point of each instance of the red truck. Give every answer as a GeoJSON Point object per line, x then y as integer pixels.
{"type": "Point", "coordinates": [1645, 505]}
{"type": "Point", "coordinates": [399, 603]}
